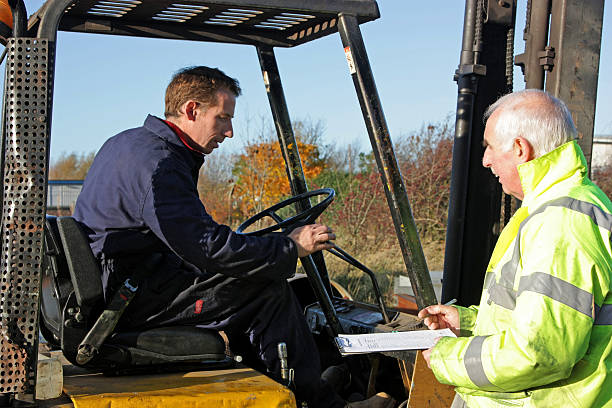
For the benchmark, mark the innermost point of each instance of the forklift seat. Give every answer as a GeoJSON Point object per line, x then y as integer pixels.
{"type": "Point", "coordinates": [72, 304]}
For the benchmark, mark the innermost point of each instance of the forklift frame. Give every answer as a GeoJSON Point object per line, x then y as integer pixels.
{"type": "Point", "coordinates": [563, 39]}
{"type": "Point", "coordinates": [28, 103]}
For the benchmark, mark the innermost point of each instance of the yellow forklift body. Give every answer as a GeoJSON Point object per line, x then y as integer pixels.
{"type": "Point", "coordinates": [232, 388]}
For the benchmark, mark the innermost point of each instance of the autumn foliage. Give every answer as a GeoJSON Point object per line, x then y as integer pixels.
{"type": "Point", "coordinates": [361, 207]}
{"type": "Point", "coordinates": [216, 188]}
{"type": "Point", "coordinates": [602, 176]}
{"type": "Point", "coordinates": [261, 177]}
{"type": "Point", "coordinates": [426, 169]}
{"type": "Point", "coordinates": [234, 187]}
{"type": "Point", "coordinates": [360, 214]}
{"type": "Point", "coordinates": [71, 166]}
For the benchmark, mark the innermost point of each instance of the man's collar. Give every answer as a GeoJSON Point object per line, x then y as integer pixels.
{"type": "Point", "coordinates": [541, 173]}
{"type": "Point", "coordinates": [184, 138]}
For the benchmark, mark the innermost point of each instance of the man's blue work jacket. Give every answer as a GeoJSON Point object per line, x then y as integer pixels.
{"type": "Point", "coordinates": [140, 197]}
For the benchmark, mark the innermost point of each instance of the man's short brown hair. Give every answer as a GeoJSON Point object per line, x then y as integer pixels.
{"type": "Point", "coordinates": [198, 84]}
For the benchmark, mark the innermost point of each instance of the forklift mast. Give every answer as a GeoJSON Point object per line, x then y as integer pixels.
{"type": "Point", "coordinates": [562, 47]}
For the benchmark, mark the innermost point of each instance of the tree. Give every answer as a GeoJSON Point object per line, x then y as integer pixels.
{"type": "Point", "coordinates": [260, 174]}
{"type": "Point", "coordinates": [71, 166]}
{"type": "Point", "coordinates": [602, 176]}
{"type": "Point", "coordinates": [360, 215]}
{"type": "Point", "coordinates": [425, 161]}
{"type": "Point", "coordinates": [216, 187]}
{"type": "Point", "coordinates": [361, 211]}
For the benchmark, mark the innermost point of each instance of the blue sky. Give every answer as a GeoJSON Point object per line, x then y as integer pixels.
{"type": "Point", "coordinates": [105, 84]}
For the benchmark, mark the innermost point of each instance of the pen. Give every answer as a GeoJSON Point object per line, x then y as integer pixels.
{"type": "Point", "coordinates": [450, 302]}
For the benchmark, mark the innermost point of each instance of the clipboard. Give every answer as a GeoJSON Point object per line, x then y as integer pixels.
{"type": "Point", "coordinates": [393, 341]}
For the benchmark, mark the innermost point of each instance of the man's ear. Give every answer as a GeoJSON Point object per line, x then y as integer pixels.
{"type": "Point", "coordinates": [190, 109]}
{"type": "Point", "coordinates": [523, 150]}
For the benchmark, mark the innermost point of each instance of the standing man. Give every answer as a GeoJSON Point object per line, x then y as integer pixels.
{"type": "Point", "coordinates": [542, 334]}
{"type": "Point", "coordinates": [140, 199]}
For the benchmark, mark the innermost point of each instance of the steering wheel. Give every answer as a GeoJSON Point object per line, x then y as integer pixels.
{"type": "Point", "coordinates": [303, 218]}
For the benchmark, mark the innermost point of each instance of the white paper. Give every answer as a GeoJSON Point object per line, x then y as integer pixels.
{"type": "Point", "coordinates": [394, 341]}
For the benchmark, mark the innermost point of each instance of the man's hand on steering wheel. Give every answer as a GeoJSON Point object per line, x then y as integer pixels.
{"type": "Point", "coordinates": [312, 238]}
{"type": "Point", "coordinates": [308, 238]}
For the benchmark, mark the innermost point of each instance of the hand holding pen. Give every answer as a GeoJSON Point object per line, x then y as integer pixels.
{"type": "Point", "coordinates": [441, 317]}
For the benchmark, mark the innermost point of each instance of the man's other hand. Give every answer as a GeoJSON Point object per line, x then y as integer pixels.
{"type": "Point", "coordinates": [441, 317]}
{"type": "Point", "coordinates": [427, 353]}
{"type": "Point", "coordinates": [312, 238]}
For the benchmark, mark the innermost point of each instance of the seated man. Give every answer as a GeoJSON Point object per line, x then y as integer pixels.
{"type": "Point", "coordinates": [140, 199]}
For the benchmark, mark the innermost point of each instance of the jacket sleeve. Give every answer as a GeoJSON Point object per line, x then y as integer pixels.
{"type": "Point", "coordinates": [467, 318]}
{"type": "Point", "coordinates": [174, 212]}
{"type": "Point", "coordinates": [550, 325]}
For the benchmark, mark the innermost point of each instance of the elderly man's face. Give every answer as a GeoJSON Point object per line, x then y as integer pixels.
{"type": "Point", "coordinates": [502, 163]}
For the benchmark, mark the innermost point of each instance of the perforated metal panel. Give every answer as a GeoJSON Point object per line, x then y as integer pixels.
{"type": "Point", "coordinates": [23, 209]}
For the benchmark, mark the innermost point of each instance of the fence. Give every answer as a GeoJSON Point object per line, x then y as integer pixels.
{"type": "Point", "coordinates": [62, 195]}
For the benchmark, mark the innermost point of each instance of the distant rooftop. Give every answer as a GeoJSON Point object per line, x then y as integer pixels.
{"type": "Point", "coordinates": [604, 139]}
{"type": "Point", "coordinates": [602, 151]}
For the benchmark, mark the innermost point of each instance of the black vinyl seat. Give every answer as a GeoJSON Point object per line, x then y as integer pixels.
{"type": "Point", "coordinates": [73, 309]}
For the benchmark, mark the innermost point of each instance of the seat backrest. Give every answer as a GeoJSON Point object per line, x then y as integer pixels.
{"type": "Point", "coordinates": [82, 265]}
{"type": "Point", "coordinates": [72, 267]}
{"type": "Point", "coordinates": [56, 284]}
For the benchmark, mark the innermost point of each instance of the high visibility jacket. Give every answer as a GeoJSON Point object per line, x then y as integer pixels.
{"type": "Point", "coordinates": [542, 334]}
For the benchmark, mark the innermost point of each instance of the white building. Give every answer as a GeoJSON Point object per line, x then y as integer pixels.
{"type": "Point", "coordinates": [602, 151]}
{"type": "Point", "coordinates": [62, 196]}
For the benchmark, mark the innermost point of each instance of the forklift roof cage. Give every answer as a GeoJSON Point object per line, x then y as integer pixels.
{"type": "Point", "coordinates": [28, 99]}
{"type": "Point", "coordinates": [259, 23]}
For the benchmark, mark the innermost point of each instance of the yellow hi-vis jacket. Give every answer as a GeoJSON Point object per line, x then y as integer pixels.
{"type": "Point", "coordinates": [542, 334]}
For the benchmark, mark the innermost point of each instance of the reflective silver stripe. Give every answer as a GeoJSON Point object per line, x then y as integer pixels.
{"type": "Point", "coordinates": [600, 217]}
{"type": "Point", "coordinates": [502, 293]}
{"type": "Point", "coordinates": [603, 315]}
{"type": "Point", "coordinates": [473, 362]}
{"type": "Point", "coordinates": [547, 285]}
{"type": "Point", "coordinates": [508, 271]}
{"type": "Point", "coordinates": [489, 279]}
{"type": "Point", "coordinates": [559, 290]}
{"type": "Point", "coordinates": [502, 296]}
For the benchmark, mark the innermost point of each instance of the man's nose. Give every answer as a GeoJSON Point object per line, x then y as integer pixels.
{"type": "Point", "coordinates": [486, 160]}
{"type": "Point", "coordinates": [229, 132]}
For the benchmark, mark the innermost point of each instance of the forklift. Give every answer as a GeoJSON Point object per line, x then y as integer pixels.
{"type": "Point", "coordinates": [49, 282]}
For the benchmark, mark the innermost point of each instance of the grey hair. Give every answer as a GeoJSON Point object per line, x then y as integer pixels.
{"type": "Point", "coordinates": [540, 118]}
